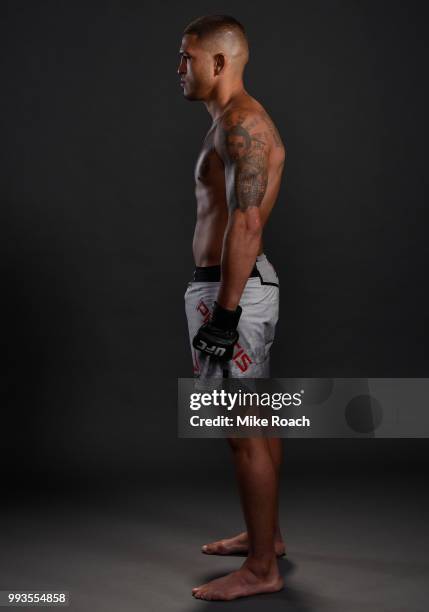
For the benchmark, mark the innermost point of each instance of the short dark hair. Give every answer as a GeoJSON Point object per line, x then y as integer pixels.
{"type": "Point", "coordinates": [209, 24]}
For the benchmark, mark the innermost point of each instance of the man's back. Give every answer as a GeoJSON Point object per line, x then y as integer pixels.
{"type": "Point", "coordinates": [243, 134]}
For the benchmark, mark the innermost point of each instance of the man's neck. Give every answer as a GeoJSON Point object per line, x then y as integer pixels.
{"type": "Point", "coordinates": [224, 97]}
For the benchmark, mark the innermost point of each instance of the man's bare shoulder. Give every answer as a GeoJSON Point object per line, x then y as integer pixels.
{"type": "Point", "coordinates": [250, 117]}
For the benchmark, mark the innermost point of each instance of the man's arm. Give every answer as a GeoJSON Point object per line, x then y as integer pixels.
{"type": "Point", "coordinates": [244, 150]}
{"type": "Point", "coordinates": [243, 141]}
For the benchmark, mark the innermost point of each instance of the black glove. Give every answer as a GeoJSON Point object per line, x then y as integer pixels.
{"type": "Point", "coordinates": [218, 336]}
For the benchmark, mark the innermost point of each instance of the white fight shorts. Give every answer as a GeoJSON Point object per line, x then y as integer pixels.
{"type": "Point", "coordinates": [260, 304]}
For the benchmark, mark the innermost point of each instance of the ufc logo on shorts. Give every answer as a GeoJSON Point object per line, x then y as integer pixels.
{"type": "Point", "coordinates": [212, 350]}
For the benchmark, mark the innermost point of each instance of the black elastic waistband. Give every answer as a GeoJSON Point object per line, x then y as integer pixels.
{"type": "Point", "coordinates": [212, 274]}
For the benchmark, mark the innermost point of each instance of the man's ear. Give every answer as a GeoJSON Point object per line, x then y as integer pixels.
{"type": "Point", "coordinates": [219, 63]}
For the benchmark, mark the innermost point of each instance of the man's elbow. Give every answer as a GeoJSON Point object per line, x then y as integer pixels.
{"type": "Point", "coordinates": [254, 224]}
{"type": "Point", "coordinates": [247, 222]}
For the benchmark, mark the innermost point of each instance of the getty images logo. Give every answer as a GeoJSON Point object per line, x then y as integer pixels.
{"type": "Point", "coordinates": [213, 350]}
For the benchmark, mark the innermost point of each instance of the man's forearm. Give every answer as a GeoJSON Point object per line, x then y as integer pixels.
{"type": "Point", "coordinates": [240, 248]}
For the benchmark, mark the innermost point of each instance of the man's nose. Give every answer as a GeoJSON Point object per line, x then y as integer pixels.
{"type": "Point", "coordinates": [182, 67]}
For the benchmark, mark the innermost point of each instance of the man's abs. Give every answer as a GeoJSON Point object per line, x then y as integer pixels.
{"type": "Point", "coordinates": [208, 238]}
{"type": "Point", "coordinates": [212, 212]}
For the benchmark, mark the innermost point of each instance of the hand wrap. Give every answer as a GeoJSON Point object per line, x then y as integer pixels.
{"type": "Point", "coordinates": [218, 336]}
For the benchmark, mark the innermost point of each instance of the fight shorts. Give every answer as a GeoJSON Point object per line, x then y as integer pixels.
{"type": "Point", "coordinates": [260, 304]}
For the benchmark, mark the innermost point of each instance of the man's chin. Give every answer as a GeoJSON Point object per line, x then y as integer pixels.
{"type": "Point", "coordinates": [190, 96]}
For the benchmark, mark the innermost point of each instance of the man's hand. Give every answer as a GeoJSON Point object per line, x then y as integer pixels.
{"type": "Point", "coordinates": [218, 336]}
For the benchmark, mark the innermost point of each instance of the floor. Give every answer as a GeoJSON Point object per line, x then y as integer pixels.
{"type": "Point", "coordinates": [355, 544]}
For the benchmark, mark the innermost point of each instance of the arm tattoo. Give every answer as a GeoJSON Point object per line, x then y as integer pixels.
{"type": "Point", "coordinates": [248, 155]}
{"type": "Point", "coordinates": [274, 132]}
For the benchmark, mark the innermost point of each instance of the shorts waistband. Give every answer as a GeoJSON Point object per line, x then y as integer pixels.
{"type": "Point", "coordinates": [213, 273]}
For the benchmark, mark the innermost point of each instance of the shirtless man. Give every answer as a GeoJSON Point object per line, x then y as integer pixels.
{"type": "Point", "coordinates": [232, 302]}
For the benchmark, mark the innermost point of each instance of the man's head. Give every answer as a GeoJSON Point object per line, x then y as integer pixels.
{"type": "Point", "coordinates": [214, 50]}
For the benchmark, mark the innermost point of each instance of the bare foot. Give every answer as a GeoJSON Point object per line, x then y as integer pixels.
{"type": "Point", "coordinates": [239, 544]}
{"type": "Point", "coordinates": [240, 583]}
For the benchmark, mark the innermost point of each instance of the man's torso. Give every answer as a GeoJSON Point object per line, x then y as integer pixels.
{"type": "Point", "coordinates": [210, 189]}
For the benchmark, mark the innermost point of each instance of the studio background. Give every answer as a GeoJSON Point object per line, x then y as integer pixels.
{"type": "Point", "coordinates": [97, 211]}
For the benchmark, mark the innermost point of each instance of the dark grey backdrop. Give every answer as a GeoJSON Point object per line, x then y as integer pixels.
{"type": "Point", "coordinates": [97, 215]}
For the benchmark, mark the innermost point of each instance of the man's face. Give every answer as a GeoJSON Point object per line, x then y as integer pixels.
{"type": "Point", "coordinates": [195, 69]}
